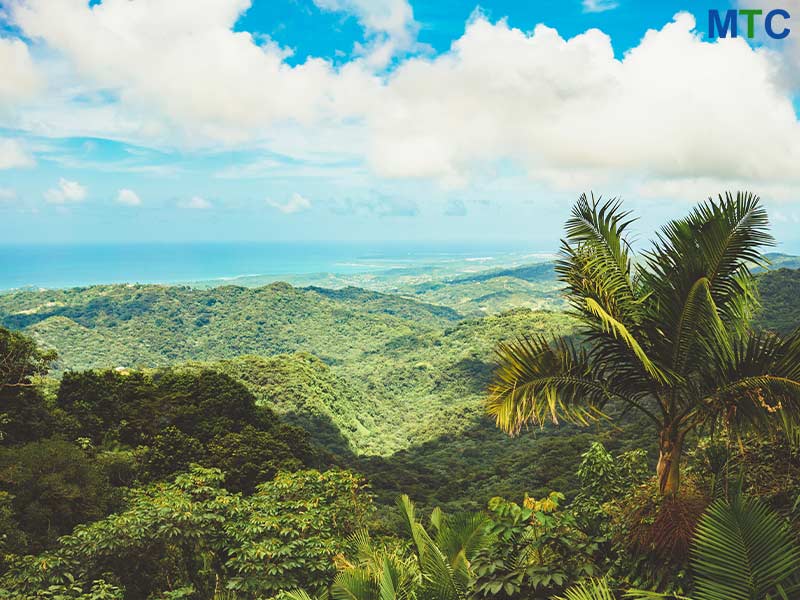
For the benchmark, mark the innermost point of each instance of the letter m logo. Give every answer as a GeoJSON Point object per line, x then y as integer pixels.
{"type": "Point", "coordinates": [718, 28]}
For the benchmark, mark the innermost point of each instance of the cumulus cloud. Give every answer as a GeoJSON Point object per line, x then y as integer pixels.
{"type": "Point", "coordinates": [568, 110]}
{"type": "Point", "coordinates": [389, 26]}
{"type": "Point", "coordinates": [128, 198]}
{"type": "Point", "coordinates": [7, 195]}
{"type": "Point", "coordinates": [20, 80]}
{"type": "Point", "coordinates": [593, 6]}
{"type": "Point", "coordinates": [296, 203]}
{"type": "Point", "coordinates": [66, 192]}
{"type": "Point", "coordinates": [14, 155]}
{"type": "Point", "coordinates": [183, 60]}
{"type": "Point", "coordinates": [195, 203]}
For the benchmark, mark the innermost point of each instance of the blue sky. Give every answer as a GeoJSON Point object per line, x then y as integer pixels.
{"type": "Point", "coordinates": [149, 120]}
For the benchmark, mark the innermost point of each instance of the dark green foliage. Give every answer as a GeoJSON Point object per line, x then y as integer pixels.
{"type": "Point", "coordinates": [780, 308]}
{"type": "Point", "coordinates": [179, 416]}
{"type": "Point", "coordinates": [23, 414]}
{"type": "Point", "coordinates": [194, 535]}
{"type": "Point", "coordinates": [251, 456]}
{"type": "Point", "coordinates": [21, 359]}
{"type": "Point", "coordinates": [169, 452]}
{"type": "Point", "coordinates": [53, 486]}
{"type": "Point", "coordinates": [538, 551]}
{"type": "Point", "coordinates": [744, 551]}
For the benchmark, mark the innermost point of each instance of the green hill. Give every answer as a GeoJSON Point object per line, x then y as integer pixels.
{"type": "Point", "coordinates": [780, 292]}
{"type": "Point", "coordinates": [373, 376]}
{"type": "Point", "coordinates": [492, 291]}
{"type": "Point", "coordinates": [149, 325]}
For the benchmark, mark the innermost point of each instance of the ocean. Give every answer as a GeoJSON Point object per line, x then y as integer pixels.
{"type": "Point", "coordinates": [74, 265]}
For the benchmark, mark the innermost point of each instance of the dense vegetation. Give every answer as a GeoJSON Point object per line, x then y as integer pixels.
{"type": "Point", "coordinates": [668, 338]}
{"type": "Point", "coordinates": [241, 444]}
{"type": "Point", "coordinates": [780, 309]}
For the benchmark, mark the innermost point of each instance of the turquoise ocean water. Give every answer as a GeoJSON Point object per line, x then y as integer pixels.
{"type": "Point", "coordinates": [58, 266]}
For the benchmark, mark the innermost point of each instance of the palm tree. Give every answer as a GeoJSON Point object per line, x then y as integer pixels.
{"type": "Point", "coordinates": [666, 335]}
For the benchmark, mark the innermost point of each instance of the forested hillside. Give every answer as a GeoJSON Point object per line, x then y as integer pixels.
{"type": "Point", "coordinates": [492, 291]}
{"type": "Point", "coordinates": [780, 300]}
{"type": "Point", "coordinates": [384, 367]}
{"type": "Point", "coordinates": [150, 325]}
{"type": "Point", "coordinates": [162, 442]}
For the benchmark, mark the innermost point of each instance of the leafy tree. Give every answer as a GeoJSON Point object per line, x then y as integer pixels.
{"type": "Point", "coordinates": [667, 336]}
{"type": "Point", "coordinates": [24, 416]}
{"type": "Point", "coordinates": [538, 549]}
{"type": "Point", "coordinates": [180, 416]}
{"type": "Point", "coordinates": [169, 452]}
{"type": "Point", "coordinates": [250, 457]}
{"type": "Point", "coordinates": [53, 486]}
{"type": "Point", "coordinates": [21, 359]}
{"type": "Point", "coordinates": [194, 535]}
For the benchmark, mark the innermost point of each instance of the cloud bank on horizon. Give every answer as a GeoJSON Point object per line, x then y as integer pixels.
{"type": "Point", "coordinates": [177, 95]}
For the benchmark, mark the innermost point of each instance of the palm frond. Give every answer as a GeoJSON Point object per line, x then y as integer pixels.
{"type": "Point", "coordinates": [744, 550]}
{"type": "Point", "coordinates": [700, 331]}
{"type": "Point", "coordinates": [299, 595]}
{"type": "Point", "coordinates": [759, 381]}
{"type": "Point", "coordinates": [595, 589]}
{"type": "Point", "coordinates": [719, 241]}
{"type": "Point", "coordinates": [354, 584]}
{"type": "Point", "coordinates": [596, 248]}
{"type": "Point", "coordinates": [536, 381]}
{"type": "Point", "coordinates": [620, 332]}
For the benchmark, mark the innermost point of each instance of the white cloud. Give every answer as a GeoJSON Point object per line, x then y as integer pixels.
{"type": "Point", "coordinates": [389, 25]}
{"type": "Point", "coordinates": [568, 110]}
{"type": "Point", "coordinates": [788, 49]}
{"type": "Point", "coordinates": [181, 61]}
{"type": "Point", "coordinates": [593, 6]}
{"type": "Point", "coordinates": [13, 154]}
{"type": "Point", "coordinates": [20, 79]}
{"type": "Point", "coordinates": [195, 203]}
{"type": "Point", "coordinates": [296, 203]}
{"type": "Point", "coordinates": [128, 198]}
{"type": "Point", "coordinates": [7, 195]}
{"type": "Point", "coordinates": [66, 192]}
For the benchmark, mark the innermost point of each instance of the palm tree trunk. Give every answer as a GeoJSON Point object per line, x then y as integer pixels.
{"type": "Point", "coordinates": [669, 461]}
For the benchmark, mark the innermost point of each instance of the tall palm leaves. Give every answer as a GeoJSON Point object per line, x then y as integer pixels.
{"type": "Point", "coordinates": [667, 335]}
{"type": "Point", "coordinates": [743, 550]}
{"type": "Point", "coordinates": [444, 557]}
{"type": "Point", "coordinates": [439, 570]}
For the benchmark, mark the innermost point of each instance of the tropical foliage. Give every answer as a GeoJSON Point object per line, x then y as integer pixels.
{"type": "Point", "coordinates": [666, 336]}
{"type": "Point", "coordinates": [195, 536]}
{"type": "Point", "coordinates": [237, 465]}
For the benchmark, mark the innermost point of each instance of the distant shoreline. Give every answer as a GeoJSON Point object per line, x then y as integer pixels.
{"type": "Point", "coordinates": [334, 264]}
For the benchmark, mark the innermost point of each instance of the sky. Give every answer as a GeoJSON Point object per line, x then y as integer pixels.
{"type": "Point", "coordinates": [274, 120]}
